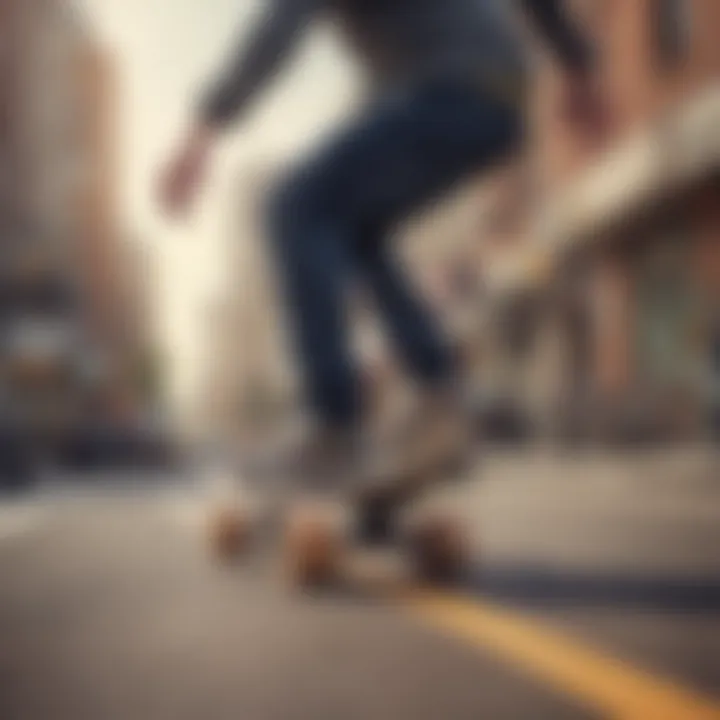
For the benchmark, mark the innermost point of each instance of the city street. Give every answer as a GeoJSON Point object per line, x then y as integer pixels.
{"type": "Point", "coordinates": [524, 225]}
{"type": "Point", "coordinates": [595, 592]}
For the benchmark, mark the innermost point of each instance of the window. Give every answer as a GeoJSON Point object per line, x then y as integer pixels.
{"type": "Point", "coordinates": [672, 26]}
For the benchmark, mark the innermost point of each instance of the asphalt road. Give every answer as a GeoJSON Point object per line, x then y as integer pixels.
{"type": "Point", "coordinates": [595, 593]}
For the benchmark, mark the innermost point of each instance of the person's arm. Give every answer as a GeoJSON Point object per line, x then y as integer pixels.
{"type": "Point", "coordinates": [551, 19]}
{"type": "Point", "coordinates": [247, 72]}
{"type": "Point", "coordinates": [255, 63]}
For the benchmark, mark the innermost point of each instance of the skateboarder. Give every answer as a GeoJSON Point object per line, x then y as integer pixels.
{"type": "Point", "coordinates": [449, 82]}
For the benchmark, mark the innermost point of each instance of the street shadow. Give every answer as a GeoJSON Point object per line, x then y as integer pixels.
{"type": "Point", "coordinates": [546, 587]}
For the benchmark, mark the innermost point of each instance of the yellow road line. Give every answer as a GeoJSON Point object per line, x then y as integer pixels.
{"type": "Point", "coordinates": [599, 682]}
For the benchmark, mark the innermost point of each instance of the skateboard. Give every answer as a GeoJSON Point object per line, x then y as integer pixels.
{"type": "Point", "coordinates": [323, 542]}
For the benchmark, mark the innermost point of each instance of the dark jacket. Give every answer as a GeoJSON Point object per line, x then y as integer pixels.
{"type": "Point", "coordinates": [400, 43]}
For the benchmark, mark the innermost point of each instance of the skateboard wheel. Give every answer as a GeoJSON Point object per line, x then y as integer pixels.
{"type": "Point", "coordinates": [229, 532]}
{"type": "Point", "coordinates": [439, 550]}
{"type": "Point", "coordinates": [313, 548]}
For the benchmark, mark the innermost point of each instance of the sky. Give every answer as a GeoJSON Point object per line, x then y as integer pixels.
{"type": "Point", "coordinates": [165, 51]}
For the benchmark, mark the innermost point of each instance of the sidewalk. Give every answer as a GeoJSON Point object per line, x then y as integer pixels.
{"type": "Point", "coordinates": [650, 512]}
{"type": "Point", "coordinates": [687, 469]}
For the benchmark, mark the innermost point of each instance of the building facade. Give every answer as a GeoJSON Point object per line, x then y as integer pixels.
{"type": "Point", "coordinates": [249, 377]}
{"type": "Point", "coordinates": [63, 326]}
{"type": "Point", "coordinates": [629, 223]}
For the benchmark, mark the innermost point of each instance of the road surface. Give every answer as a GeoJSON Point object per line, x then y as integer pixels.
{"type": "Point", "coordinates": [595, 593]}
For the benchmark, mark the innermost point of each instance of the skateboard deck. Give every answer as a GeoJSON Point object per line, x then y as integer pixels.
{"type": "Point", "coordinates": [349, 541]}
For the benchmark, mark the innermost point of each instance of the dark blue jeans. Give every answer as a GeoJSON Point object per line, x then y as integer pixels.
{"type": "Point", "coordinates": [331, 219]}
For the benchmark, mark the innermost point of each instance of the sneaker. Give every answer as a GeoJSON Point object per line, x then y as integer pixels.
{"type": "Point", "coordinates": [432, 442]}
{"type": "Point", "coordinates": [316, 458]}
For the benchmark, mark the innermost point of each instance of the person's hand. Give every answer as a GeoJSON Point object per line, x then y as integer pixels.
{"type": "Point", "coordinates": [183, 175]}
{"type": "Point", "coordinates": [585, 106]}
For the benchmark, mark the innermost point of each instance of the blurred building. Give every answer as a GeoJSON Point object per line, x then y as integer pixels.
{"type": "Point", "coordinates": [66, 334]}
{"type": "Point", "coordinates": [614, 246]}
{"type": "Point", "coordinates": [249, 379]}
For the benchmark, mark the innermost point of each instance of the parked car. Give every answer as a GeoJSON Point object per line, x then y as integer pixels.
{"type": "Point", "coordinates": [100, 446]}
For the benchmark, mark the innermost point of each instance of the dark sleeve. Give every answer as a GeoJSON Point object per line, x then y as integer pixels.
{"type": "Point", "coordinates": [551, 19]}
{"type": "Point", "coordinates": [257, 59]}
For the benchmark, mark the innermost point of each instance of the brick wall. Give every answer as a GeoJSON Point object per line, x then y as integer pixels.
{"type": "Point", "coordinates": [639, 87]}
{"type": "Point", "coordinates": [612, 300]}
{"type": "Point", "coordinates": [704, 211]}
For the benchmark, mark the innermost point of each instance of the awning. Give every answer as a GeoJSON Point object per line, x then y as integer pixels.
{"type": "Point", "coordinates": [673, 152]}
{"type": "Point", "coordinates": [665, 157]}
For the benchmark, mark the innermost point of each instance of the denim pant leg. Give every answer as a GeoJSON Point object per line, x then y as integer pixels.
{"type": "Point", "coordinates": [312, 252]}
{"type": "Point", "coordinates": [400, 155]}
{"type": "Point", "coordinates": [412, 329]}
